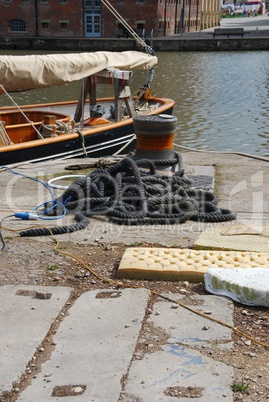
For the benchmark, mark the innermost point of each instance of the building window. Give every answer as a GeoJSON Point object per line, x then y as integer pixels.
{"type": "Point", "coordinates": [6, 1]}
{"type": "Point", "coordinates": [17, 26]}
{"type": "Point", "coordinates": [25, 1]}
{"type": "Point", "coordinates": [92, 3]}
{"type": "Point", "coordinates": [64, 24]}
{"type": "Point", "coordinates": [63, 1]}
{"type": "Point", "coordinates": [43, 1]}
{"type": "Point", "coordinates": [120, 1]}
{"type": "Point", "coordinates": [45, 25]}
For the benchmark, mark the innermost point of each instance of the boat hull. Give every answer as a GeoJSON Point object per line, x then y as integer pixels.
{"type": "Point", "coordinates": [93, 142]}
{"type": "Point", "coordinates": [97, 145]}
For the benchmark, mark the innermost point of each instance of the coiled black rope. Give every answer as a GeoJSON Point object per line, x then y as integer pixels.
{"type": "Point", "coordinates": [127, 194]}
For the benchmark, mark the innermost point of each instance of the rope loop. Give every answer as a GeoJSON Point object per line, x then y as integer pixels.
{"type": "Point", "coordinates": [128, 195]}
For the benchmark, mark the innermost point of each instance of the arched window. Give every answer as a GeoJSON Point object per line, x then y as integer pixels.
{"type": "Point", "coordinates": [17, 26]}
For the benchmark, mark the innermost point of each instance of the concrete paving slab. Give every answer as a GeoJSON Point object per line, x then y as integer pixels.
{"type": "Point", "coordinates": [95, 357]}
{"type": "Point", "coordinates": [25, 318]}
{"type": "Point", "coordinates": [94, 347]}
{"type": "Point", "coordinates": [187, 328]}
{"type": "Point", "coordinates": [202, 176]}
{"type": "Point", "coordinates": [168, 372]}
{"type": "Point", "coordinates": [193, 170]}
{"type": "Point", "coordinates": [221, 238]}
{"type": "Point", "coordinates": [177, 367]}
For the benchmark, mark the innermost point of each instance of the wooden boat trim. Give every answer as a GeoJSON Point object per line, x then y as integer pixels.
{"type": "Point", "coordinates": [165, 103]}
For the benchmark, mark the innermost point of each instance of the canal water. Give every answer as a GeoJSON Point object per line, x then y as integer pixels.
{"type": "Point", "coordinates": [222, 98]}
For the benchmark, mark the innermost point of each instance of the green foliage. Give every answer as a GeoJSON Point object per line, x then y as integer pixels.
{"type": "Point", "coordinates": [223, 15]}
{"type": "Point", "coordinates": [240, 386]}
{"type": "Point", "coordinates": [52, 267]}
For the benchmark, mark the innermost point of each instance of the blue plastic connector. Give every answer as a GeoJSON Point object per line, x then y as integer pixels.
{"type": "Point", "coordinates": [26, 215]}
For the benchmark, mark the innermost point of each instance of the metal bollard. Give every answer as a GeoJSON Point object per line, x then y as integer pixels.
{"type": "Point", "coordinates": [155, 136]}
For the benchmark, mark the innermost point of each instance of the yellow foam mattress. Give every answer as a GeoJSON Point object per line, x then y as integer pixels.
{"type": "Point", "coordinates": [183, 264]}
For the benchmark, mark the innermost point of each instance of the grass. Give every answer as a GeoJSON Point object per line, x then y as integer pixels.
{"type": "Point", "coordinates": [236, 15]}
{"type": "Point", "coordinates": [240, 386]}
{"type": "Point", "coordinates": [52, 267]}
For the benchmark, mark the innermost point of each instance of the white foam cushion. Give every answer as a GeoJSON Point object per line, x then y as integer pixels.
{"type": "Point", "coordinates": [246, 286]}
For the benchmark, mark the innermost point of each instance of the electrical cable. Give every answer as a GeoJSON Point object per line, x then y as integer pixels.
{"type": "Point", "coordinates": [29, 177]}
{"type": "Point", "coordinates": [52, 205]}
{"type": "Point", "coordinates": [120, 284]}
{"type": "Point", "coordinates": [34, 214]}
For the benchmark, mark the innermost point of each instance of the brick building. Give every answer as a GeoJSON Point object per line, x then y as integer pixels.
{"type": "Point", "coordinates": [155, 17]}
{"type": "Point", "coordinates": [40, 18]}
{"type": "Point", "coordinates": [91, 18]}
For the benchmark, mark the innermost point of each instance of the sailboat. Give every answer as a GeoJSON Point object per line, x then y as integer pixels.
{"type": "Point", "coordinates": [88, 126]}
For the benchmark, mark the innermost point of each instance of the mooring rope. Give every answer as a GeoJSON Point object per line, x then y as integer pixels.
{"type": "Point", "coordinates": [53, 130]}
{"type": "Point", "coordinates": [127, 194]}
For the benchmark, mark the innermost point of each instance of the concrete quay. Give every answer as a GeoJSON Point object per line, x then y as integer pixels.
{"type": "Point", "coordinates": [240, 183]}
{"type": "Point", "coordinates": [123, 345]}
{"type": "Point", "coordinates": [255, 38]}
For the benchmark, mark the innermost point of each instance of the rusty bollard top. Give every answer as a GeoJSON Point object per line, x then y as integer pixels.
{"type": "Point", "coordinates": [162, 124]}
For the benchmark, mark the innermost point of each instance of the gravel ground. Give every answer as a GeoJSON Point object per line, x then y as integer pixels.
{"type": "Point", "coordinates": [27, 262]}
{"type": "Point", "coordinates": [89, 260]}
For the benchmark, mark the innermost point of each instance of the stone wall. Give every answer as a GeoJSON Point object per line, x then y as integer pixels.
{"type": "Point", "coordinates": [179, 43]}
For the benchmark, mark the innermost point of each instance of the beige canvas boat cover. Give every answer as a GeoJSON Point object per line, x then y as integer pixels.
{"type": "Point", "coordinates": [18, 73]}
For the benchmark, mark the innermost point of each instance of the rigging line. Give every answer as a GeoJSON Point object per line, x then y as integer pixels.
{"type": "Point", "coordinates": [122, 20]}
{"type": "Point", "coordinates": [22, 112]}
{"type": "Point", "coordinates": [125, 145]}
{"type": "Point", "coordinates": [125, 24]}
